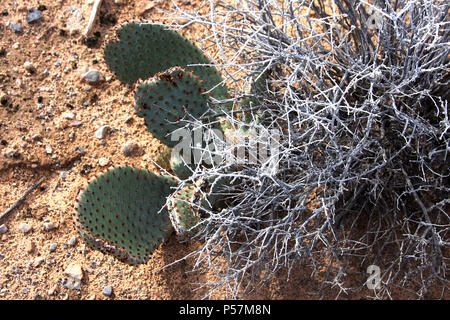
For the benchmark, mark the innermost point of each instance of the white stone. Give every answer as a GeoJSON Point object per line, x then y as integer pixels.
{"type": "Point", "coordinates": [24, 227]}
{"type": "Point", "coordinates": [103, 162]}
{"type": "Point", "coordinates": [48, 149]}
{"type": "Point", "coordinates": [68, 115]}
{"type": "Point", "coordinates": [102, 132]}
{"type": "Point", "coordinates": [74, 270]}
{"type": "Point", "coordinates": [49, 226]}
{"type": "Point", "coordinates": [28, 66]}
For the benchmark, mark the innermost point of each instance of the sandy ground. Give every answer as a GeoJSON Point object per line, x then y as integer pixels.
{"type": "Point", "coordinates": [48, 117]}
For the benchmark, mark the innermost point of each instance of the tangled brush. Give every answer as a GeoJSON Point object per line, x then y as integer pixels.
{"type": "Point", "coordinates": [357, 93]}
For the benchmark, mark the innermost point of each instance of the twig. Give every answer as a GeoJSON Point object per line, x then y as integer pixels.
{"type": "Point", "coordinates": [92, 17]}
{"type": "Point", "coordinates": [21, 199]}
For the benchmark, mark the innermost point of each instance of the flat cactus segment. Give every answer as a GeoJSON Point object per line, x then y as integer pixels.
{"type": "Point", "coordinates": [166, 99]}
{"type": "Point", "coordinates": [180, 168]}
{"type": "Point", "coordinates": [183, 216]}
{"type": "Point", "coordinates": [118, 213]}
{"type": "Point", "coordinates": [144, 49]}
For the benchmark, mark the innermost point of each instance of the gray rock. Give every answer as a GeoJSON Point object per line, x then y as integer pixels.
{"type": "Point", "coordinates": [73, 241]}
{"type": "Point", "coordinates": [3, 229]}
{"type": "Point", "coordinates": [92, 75]}
{"type": "Point", "coordinates": [107, 291]}
{"type": "Point", "coordinates": [34, 16]}
{"type": "Point", "coordinates": [71, 283]}
{"type": "Point", "coordinates": [63, 175]}
{"type": "Point", "coordinates": [53, 246]}
{"type": "Point", "coordinates": [16, 27]}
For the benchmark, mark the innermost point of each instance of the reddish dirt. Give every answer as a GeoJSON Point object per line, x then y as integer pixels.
{"type": "Point", "coordinates": [41, 112]}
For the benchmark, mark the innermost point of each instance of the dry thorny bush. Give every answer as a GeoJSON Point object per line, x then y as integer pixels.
{"type": "Point", "coordinates": [358, 93]}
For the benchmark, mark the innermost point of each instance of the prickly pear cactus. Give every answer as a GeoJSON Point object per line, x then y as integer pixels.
{"type": "Point", "coordinates": [144, 49]}
{"type": "Point", "coordinates": [167, 98]}
{"type": "Point", "coordinates": [118, 213]}
{"type": "Point", "coordinates": [181, 169]}
{"type": "Point", "coordinates": [183, 215]}
{"type": "Point", "coordinates": [187, 206]}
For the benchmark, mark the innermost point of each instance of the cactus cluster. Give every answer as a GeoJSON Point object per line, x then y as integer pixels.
{"type": "Point", "coordinates": [123, 211]}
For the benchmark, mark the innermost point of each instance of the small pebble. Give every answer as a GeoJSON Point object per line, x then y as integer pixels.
{"type": "Point", "coordinates": [80, 149]}
{"type": "Point", "coordinates": [3, 229]}
{"type": "Point", "coordinates": [107, 291]}
{"type": "Point", "coordinates": [73, 241]}
{"type": "Point", "coordinates": [68, 115]}
{"type": "Point", "coordinates": [28, 66]}
{"type": "Point", "coordinates": [76, 123]}
{"type": "Point", "coordinates": [48, 226]}
{"type": "Point", "coordinates": [92, 75]}
{"type": "Point", "coordinates": [37, 262]}
{"type": "Point", "coordinates": [130, 148]}
{"type": "Point", "coordinates": [102, 132]}
{"type": "Point", "coordinates": [48, 149]}
{"type": "Point", "coordinates": [63, 175]}
{"type": "Point", "coordinates": [36, 137]}
{"type": "Point", "coordinates": [24, 227]}
{"type": "Point", "coordinates": [29, 247]}
{"type": "Point", "coordinates": [53, 246]}
{"type": "Point", "coordinates": [75, 275]}
{"type": "Point", "coordinates": [16, 27]}
{"type": "Point", "coordinates": [34, 16]}
{"type": "Point", "coordinates": [52, 291]}
{"type": "Point", "coordinates": [103, 162]}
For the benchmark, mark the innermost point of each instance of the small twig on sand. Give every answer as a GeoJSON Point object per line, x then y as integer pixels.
{"type": "Point", "coordinates": [94, 12]}
{"type": "Point", "coordinates": [19, 202]}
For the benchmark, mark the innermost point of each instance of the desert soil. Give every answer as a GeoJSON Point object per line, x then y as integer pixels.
{"type": "Point", "coordinates": [48, 118]}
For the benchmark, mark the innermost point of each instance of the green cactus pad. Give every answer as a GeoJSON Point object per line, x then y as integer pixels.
{"type": "Point", "coordinates": [183, 216]}
{"type": "Point", "coordinates": [144, 49]}
{"type": "Point", "coordinates": [118, 213]}
{"type": "Point", "coordinates": [168, 98]}
{"type": "Point", "coordinates": [182, 170]}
